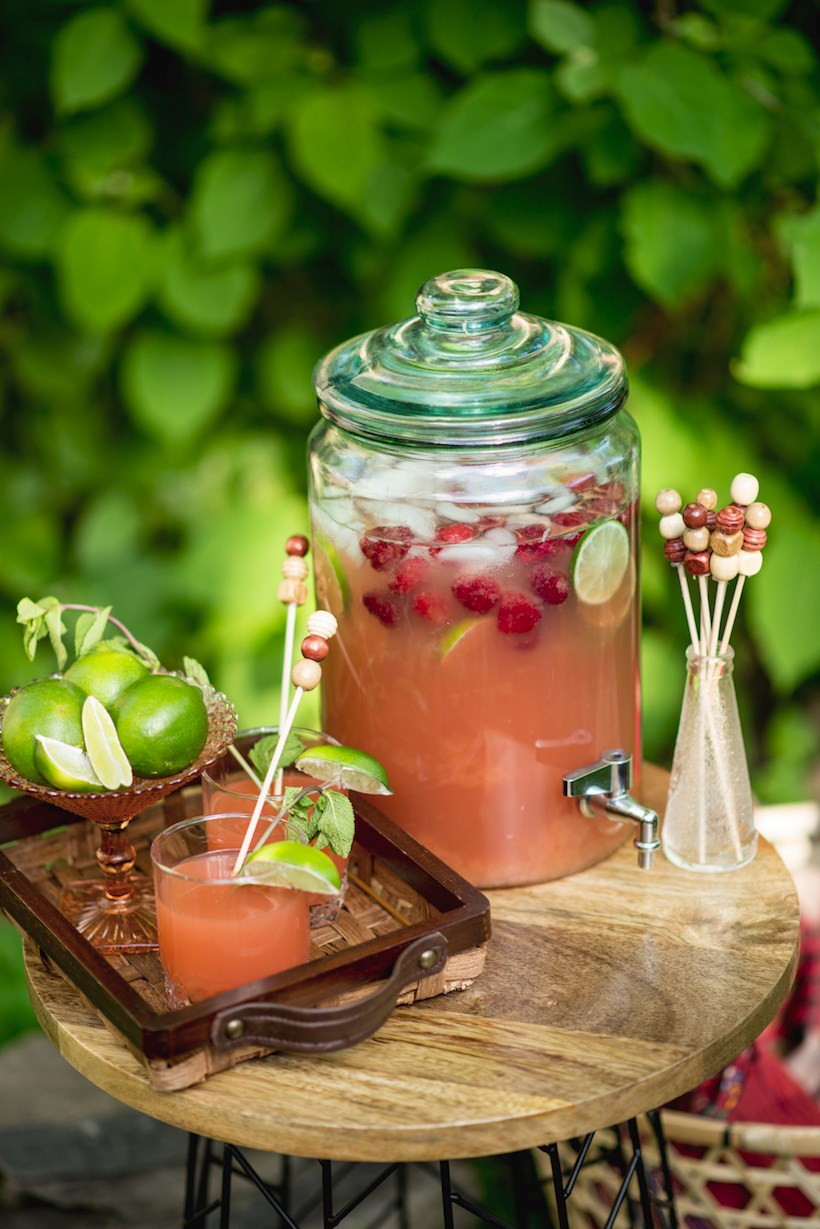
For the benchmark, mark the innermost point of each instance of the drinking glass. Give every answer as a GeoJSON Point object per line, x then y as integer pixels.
{"type": "Point", "coordinates": [226, 786]}
{"type": "Point", "coordinates": [217, 931]}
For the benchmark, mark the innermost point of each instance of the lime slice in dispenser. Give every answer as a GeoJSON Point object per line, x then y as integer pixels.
{"type": "Point", "coordinates": [65, 766]}
{"type": "Point", "coordinates": [346, 768]}
{"type": "Point", "coordinates": [290, 864]}
{"type": "Point", "coordinates": [108, 760]}
{"type": "Point", "coordinates": [332, 588]}
{"type": "Point", "coordinates": [453, 636]}
{"type": "Point", "coordinates": [600, 561]}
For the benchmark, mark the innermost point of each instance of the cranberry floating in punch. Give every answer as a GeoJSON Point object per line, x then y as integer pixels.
{"type": "Point", "coordinates": [474, 498]}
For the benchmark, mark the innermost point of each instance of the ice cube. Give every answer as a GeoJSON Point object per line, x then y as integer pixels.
{"type": "Point", "coordinates": [558, 503]}
{"type": "Point", "coordinates": [500, 536]}
{"type": "Point", "coordinates": [345, 538]}
{"type": "Point", "coordinates": [420, 521]}
{"type": "Point", "coordinates": [397, 482]}
{"type": "Point", "coordinates": [477, 554]}
{"type": "Point", "coordinates": [457, 512]}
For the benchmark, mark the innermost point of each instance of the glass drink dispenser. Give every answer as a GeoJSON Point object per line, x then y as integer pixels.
{"type": "Point", "coordinates": [474, 500]}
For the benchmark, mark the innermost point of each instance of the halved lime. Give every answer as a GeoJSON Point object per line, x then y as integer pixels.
{"type": "Point", "coordinates": [346, 768]}
{"type": "Point", "coordinates": [600, 561]}
{"type": "Point", "coordinates": [65, 766]}
{"type": "Point", "coordinates": [332, 587]}
{"type": "Point", "coordinates": [289, 864]}
{"type": "Point", "coordinates": [104, 749]}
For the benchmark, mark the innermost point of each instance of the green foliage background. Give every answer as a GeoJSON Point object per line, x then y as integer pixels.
{"type": "Point", "coordinates": [197, 200]}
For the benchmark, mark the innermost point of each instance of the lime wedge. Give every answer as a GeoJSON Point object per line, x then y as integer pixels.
{"type": "Point", "coordinates": [65, 766]}
{"type": "Point", "coordinates": [346, 768]}
{"type": "Point", "coordinates": [289, 864]}
{"type": "Point", "coordinates": [332, 588]}
{"type": "Point", "coordinates": [102, 744]}
{"type": "Point", "coordinates": [600, 561]}
{"type": "Point", "coordinates": [454, 635]}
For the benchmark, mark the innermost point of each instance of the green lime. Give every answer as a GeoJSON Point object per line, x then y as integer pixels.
{"type": "Point", "coordinates": [162, 724]}
{"type": "Point", "coordinates": [346, 768]}
{"type": "Point", "coordinates": [600, 561]}
{"type": "Point", "coordinates": [103, 747]}
{"type": "Point", "coordinates": [66, 767]}
{"type": "Point", "coordinates": [49, 706]}
{"type": "Point", "coordinates": [454, 635]}
{"type": "Point", "coordinates": [289, 864]}
{"type": "Point", "coordinates": [105, 671]}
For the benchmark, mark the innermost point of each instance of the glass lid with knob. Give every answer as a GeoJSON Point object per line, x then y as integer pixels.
{"type": "Point", "coordinates": [471, 368]}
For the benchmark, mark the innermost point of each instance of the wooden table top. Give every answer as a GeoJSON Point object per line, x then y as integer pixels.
{"type": "Point", "coordinates": [604, 995]}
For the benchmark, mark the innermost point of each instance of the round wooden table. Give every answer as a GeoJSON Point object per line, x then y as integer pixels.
{"type": "Point", "coordinates": [604, 995]}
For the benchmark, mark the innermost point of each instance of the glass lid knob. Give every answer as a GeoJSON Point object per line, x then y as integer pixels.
{"type": "Point", "coordinates": [467, 300]}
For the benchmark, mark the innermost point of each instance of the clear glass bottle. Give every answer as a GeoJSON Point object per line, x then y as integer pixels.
{"type": "Point", "coordinates": [474, 495]}
{"type": "Point", "coordinates": [709, 820]}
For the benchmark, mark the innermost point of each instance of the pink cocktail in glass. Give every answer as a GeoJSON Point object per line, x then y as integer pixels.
{"type": "Point", "coordinates": [217, 932]}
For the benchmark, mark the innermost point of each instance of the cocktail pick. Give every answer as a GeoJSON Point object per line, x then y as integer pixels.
{"type": "Point", "coordinates": [757, 519]}
{"type": "Point", "coordinates": [305, 676]}
{"type": "Point", "coordinates": [668, 503]}
{"type": "Point", "coordinates": [293, 594]}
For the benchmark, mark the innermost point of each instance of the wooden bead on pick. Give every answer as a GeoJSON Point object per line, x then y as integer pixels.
{"type": "Point", "coordinates": [696, 563]}
{"type": "Point", "coordinates": [322, 623]}
{"type": "Point", "coordinates": [315, 648]}
{"type": "Point", "coordinates": [730, 519]}
{"type": "Point", "coordinates": [667, 501]}
{"type": "Point", "coordinates": [672, 525]}
{"type": "Point", "coordinates": [749, 562]}
{"type": "Point", "coordinates": [294, 591]}
{"type": "Point", "coordinates": [744, 489]}
{"type": "Point", "coordinates": [724, 567]}
{"type": "Point", "coordinates": [694, 516]}
{"type": "Point", "coordinates": [754, 539]}
{"type": "Point", "coordinates": [707, 498]}
{"type": "Point", "coordinates": [297, 545]}
{"type": "Point", "coordinates": [758, 516]}
{"type": "Point", "coordinates": [696, 539]}
{"type": "Point", "coordinates": [726, 544]}
{"type": "Point", "coordinates": [674, 550]}
{"type": "Point", "coordinates": [306, 674]}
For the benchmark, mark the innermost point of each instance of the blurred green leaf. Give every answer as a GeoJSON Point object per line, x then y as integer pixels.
{"type": "Point", "coordinates": [500, 126]}
{"type": "Point", "coordinates": [175, 387]}
{"type": "Point", "coordinates": [285, 365]}
{"type": "Point", "coordinates": [788, 51]}
{"type": "Point", "coordinates": [779, 599]}
{"type": "Point", "coordinates": [16, 1014]}
{"type": "Point", "coordinates": [211, 299]}
{"type": "Point", "coordinates": [179, 23]}
{"type": "Point", "coordinates": [387, 42]}
{"type": "Point", "coordinates": [670, 271]}
{"type": "Point", "coordinates": [240, 203]}
{"type": "Point", "coordinates": [411, 101]}
{"type": "Point", "coordinates": [108, 532]}
{"type": "Point", "coordinates": [32, 207]}
{"type": "Point", "coordinates": [95, 58]}
{"type": "Point", "coordinates": [781, 353]}
{"type": "Point", "coordinates": [105, 267]}
{"type": "Point", "coordinates": [116, 136]}
{"type": "Point", "coordinates": [470, 33]}
{"type": "Point", "coordinates": [560, 26]}
{"type": "Point", "coordinates": [335, 143]}
{"type": "Point", "coordinates": [801, 233]}
{"type": "Point", "coordinates": [257, 47]}
{"type": "Point", "coordinates": [681, 104]}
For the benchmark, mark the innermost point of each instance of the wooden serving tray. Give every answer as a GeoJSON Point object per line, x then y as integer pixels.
{"type": "Point", "coordinates": [410, 928]}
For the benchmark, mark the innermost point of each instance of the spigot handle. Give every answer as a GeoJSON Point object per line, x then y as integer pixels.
{"type": "Point", "coordinates": [611, 774]}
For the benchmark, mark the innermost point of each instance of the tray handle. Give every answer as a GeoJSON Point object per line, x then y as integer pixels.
{"type": "Point", "coordinates": [292, 1029]}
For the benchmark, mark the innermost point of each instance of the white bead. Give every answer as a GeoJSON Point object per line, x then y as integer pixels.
{"type": "Point", "coordinates": [724, 567]}
{"type": "Point", "coordinates": [294, 567]}
{"type": "Point", "coordinates": [306, 674]}
{"type": "Point", "coordinates": [707, 498]}
{"type": "Point", "coordinates": [668, 501]}
{"type": "Point", "coordinates": [749, 562]}
{"type": "Point", "coordinates": [744, 489]}
{"type": "Point", "coordinates": [322, 623]}
{"type": "Point", "coordinates": [758, 516]}
{"type": "Point", "coordinates": [672, 526]}
{"type": "Point", "coordinates": [696, 539]}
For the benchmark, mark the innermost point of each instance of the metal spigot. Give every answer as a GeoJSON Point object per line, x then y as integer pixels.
{"type": "Point", "coordinates": [602, 790]}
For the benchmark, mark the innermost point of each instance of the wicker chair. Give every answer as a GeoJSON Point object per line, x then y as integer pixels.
{"type": "Point", "coordinates": [760, 1162]}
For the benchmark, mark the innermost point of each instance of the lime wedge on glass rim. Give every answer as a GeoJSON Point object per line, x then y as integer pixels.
{"type": "Point", "coordinates": [600, 562]}
{"type": "Point", "coordinates": [103, 747]}
{"type": "Point", "coordinates": [290, 864]}
{"type": "Point", "coordinates": [65, 766]}
{"type": "Point", "coordinates": [346, 768]}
